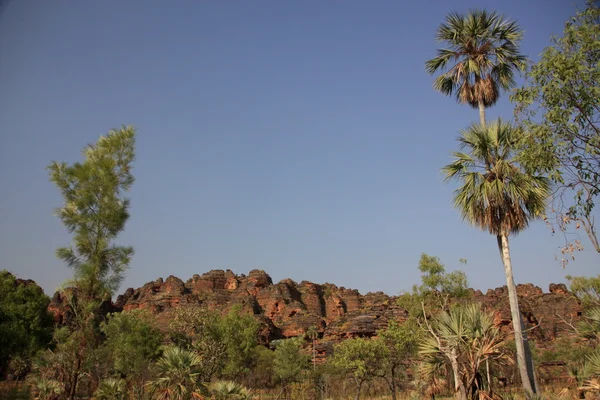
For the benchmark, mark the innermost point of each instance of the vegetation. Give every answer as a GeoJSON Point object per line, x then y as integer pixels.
{"type": "Point", "coordinates": [436, 342]}
{"type": "Point", "coordinates": [560, 106]}
{"type": "Point", "coordinates": [484, 47]}
{"type": "Point", "coordinates": [498, 196]}
{"type": "Point", "coordinates": [25, 323]}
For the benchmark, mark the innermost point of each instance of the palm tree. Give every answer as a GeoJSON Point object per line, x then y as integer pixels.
{"type": "Point", "coordinates": [496, 195]}
{"type": "Point", "coordinates": [229, 390]}
{"type": "Point", "coordinates": [111, 389]}
{"type": "Point", "coordinates": [484, 49]}
{"type": "Point", "coordinates": [465, 337]}
{"type": "Point", "coordinates": [178, 371]}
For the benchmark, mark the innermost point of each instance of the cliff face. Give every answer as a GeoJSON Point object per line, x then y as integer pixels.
{"type": "Point", "coordinates": [288, 308]}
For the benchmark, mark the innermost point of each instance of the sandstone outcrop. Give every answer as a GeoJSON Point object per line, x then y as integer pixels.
{"type": "Point", "coordinates": [288, 309]}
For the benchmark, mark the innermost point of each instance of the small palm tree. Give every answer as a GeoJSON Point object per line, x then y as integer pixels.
{"type": "Point", "coordinates": [111, 389]}
{"type": "Point", "coordinates": [46, 389]}
{"type": "Point", "coordinates": [496, 195]}
{"type": "Point", "coordinates": [228, 390]}
{"type": "Point", "coordinates": [464, 337]}
{"type": "Point", "coordinates": [483, 50]}
{"type": "Point", "coordinates": [178, 371]}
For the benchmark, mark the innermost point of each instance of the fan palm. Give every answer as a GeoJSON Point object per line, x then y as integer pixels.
{"type": "Point", "coordinates": [229, 390]}
{"type": "Point", "coordinates": [178, 371]}
{"type": "Point", "coordinates": [496, 195]}
{"type": "Point", "coordinates": [484, 49]}
{"type": "Point", "coordinates": [111, 389]}
{"type": "Point", "coordinates": [465, 337]}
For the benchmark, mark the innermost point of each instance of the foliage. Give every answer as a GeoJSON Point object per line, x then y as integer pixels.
{"type": "Point", "coordinates": [178, 375]}
{"type": "Point", "coordinates": [239, 334]}
{"type": "Point", "coordinates": [290, 359]}
{"type": "Point", "coordinates": [225, 343]}
{"type": "Point", "coordinates": [262, 374]}
{"type": "Point", "coordinates": [464, 337]}
{"type": "Point", "coordinates": [365, 359]}
{"type": "Point", "coordinates": [132, 343]}
{"type": "Point", "coordinates": [229, 390]}
{"type": "Point", "coordinates": [587, 289]}
{"type": "Point", "coordinates": [436, 289]}
{"type": "Point", "coordinates": [560, 106]}
{"type": "Point", "coordinates": [484, 49]}
{"type": "Point", "coordinates": [111, 389]}
{"type": "Point", "coordinates": [95, 211]}
{"type": "Point", "coordinates": [401, 341]}
{"type": "Point", "coordinates": [197, 329]}
{"type": "Point", "coordinates": [25, 323]}
{"type": "Point", "coordinates": [46, 389]}
{"type": "Point", "coordinates": [496, 194]}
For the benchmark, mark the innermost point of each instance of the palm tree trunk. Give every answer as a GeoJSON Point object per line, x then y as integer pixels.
{"type": "Point", "coordinates": [460, 393]}
{"type": "Point", "coordinates": [481, 112]}
{"type": "Point", "coordinates": [524, 361]}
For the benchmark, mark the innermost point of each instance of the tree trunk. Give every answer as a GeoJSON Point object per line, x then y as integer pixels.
{"type": "Point", "coordinates": [488, 376]}
{"type": "Point", "coordinates": [481, 112]}
{"type": "Point", "coordinates": [358, 390]}
{"type": "Point", "coordinates": [393, 382]}
{"type": "Point", "coordinates": [460, 393]}
{"type": "Point", "coordinates": [75, 379]}
{"type": "Point", "coordinates": [524, 361]}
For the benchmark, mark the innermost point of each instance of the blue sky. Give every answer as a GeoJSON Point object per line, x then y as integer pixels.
{"type": "Point", "coordinates": [300, 137]}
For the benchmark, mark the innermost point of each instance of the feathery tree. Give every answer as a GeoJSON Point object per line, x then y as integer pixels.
{"type": "Point", "coordinates": [95, 211]}
{"type": "Point", "coordinates": [498, 196]}
{"type": "Point", "coordinates": [483, 55]}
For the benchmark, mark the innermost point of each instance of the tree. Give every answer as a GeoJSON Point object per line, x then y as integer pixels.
{"type": "Point", "coordinates": [239, 335]}
{"type": "Point", "coordinates": [364, 358]}
{"type": "Point", "coordinates": [484, 49]}
{"type": "Point", "coordinates": [226, 344]}
{"type": "Point", "coordinates": [498, 196]}
{"type": "Point", "coordinates": [465, 337]}
{"type": "Point", "coordinates": [197, 329]}
{"type": "Point", "coordinates": [313, 334]}
{"type": "Point", "coordinates": [290, 360]}
{"type": "Point", "coordinates": [560, 106]}
{"type": "Point", "coordinates": [95, 211]}
{"type": "Point", "coordinates": [178, 371]}
{"type": "Point", "coordinates": [229, 390]}
{"type": "Point", "coordinates": [25, 323]}
{"type": "Point", "coordinates": [111, 389]}
{"type": "Point", "coordinates": [586, 289]}
{"type": "Point", "coordinates": [132, 343]}
{"type": "Point", "coordinates": [401, 341]}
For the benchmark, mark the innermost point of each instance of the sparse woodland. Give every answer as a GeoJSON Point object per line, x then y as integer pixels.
{"type": "Point", "coordinates": [509, 173]}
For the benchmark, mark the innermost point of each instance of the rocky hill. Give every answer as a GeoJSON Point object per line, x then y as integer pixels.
{"type": "Point", "coordinates": [288, 308]}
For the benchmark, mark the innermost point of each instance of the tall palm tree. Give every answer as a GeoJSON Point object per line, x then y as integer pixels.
{"type": "Point", "coordinates": [496, 195]}
{"type": "Point", "coordinates": [178, 371]}
{"type": "Point", "coordinates": [483, 48]}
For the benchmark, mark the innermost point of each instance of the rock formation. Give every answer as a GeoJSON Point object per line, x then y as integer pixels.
{"type": "Point", "coordinates": [288, 309]}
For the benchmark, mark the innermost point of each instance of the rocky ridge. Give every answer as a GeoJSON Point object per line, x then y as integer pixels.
{"type": "Point", "coordinates": [288, 309]}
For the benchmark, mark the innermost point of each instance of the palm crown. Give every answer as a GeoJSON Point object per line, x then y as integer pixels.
{"type": "Point", "coordinates": [484, 47]}
{"type": "Point", "coordinates": [496, 194]}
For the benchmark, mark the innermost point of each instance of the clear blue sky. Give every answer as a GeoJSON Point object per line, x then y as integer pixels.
{"type": "Point", "coordinates": [299, 137]}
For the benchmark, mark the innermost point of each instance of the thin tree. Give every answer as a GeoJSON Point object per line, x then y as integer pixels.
{"type": "Point", "coordinates": [480, 60]}
{"type": "Point", "coordinates": [95, 211]}
{"type": "Point", "coordinates": [496, 195]}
